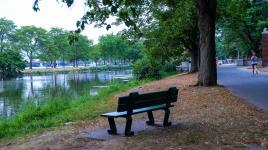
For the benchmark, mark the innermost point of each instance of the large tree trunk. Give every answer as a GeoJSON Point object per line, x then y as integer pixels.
{"type": "Point", "coordinates": [74, 63]}
{"type": "Point", "coordinates": [96, 62]}
{"type": "Point", "coordinates": [206, 23]}
{"type": "Point", "coordinates": [194, 59]}
{"type": "Point", "coordinates": [63, 61]}
{"type": "Point", "coordinates": [31, 60]}
{"type": "Point", "coordinates": [195, 50]}
{"type": "Point", "coordinates": [54, 63]}
{"type": "Point", "coordinates": [1, 45]}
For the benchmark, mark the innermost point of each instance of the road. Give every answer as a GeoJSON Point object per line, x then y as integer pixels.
{"type": "Point", "coordinates": [253, 88]}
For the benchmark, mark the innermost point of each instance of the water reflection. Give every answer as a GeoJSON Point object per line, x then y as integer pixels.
{"type": "Point", "coordinates": [16, 91]}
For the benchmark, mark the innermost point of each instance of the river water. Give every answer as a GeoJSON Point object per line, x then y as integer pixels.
{"type": "Point", "coordinates": [14, 92]}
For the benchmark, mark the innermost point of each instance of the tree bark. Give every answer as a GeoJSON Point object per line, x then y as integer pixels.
{"type": "Point", "coordinates": [74, 63]}
{"type": "Point", "coordinates": [96, 62]}
{"type": "Point", "coordinates": [31, 60]}
{"type": "Point", "coordinates": [54, 63]}
{"type": "Point", "coordinates": [1, 45]}
{"type": "Point", "coordinates": [194, 59]}
{"type": "Point", "coordinates": [206, 23]}
{"type": "Point", "coordinates": [63, 61]}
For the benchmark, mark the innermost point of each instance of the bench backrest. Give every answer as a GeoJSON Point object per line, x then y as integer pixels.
{"type": "Point", "coordinates": [135, 100]}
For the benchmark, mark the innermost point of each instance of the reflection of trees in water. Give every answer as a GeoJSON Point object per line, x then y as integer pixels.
{"type": "Point", "coordinates": [53, 92]}
{"type": "Point", "coordinates": [70, 84]}
{"type": "Point", "coordinates": [14, 92]}
{"type": "Point", "coordinates": [81, 83]}
{"type": "Point", "coordinates": [56, 87]}
{"type": "Point", "coordinates": [10, 97]}
{"type": "Point", "coordinates": [31, 83]}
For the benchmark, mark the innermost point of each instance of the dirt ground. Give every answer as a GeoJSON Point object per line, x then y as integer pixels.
{"type": "Point", "coordinates": [203, 118]}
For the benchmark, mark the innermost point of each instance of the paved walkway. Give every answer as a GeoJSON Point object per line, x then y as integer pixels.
{"type": "Point", "coordinates": [253, 88]}
{"type": "Point", "coordinates": [101, 133]}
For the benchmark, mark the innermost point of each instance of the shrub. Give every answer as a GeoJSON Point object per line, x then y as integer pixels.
{"type": "Point", "coordinates": [11, 64]}
{"type": "Point", "coordinates": [144, 68]}
{"type": "Point", "coordinates": [169, 67]}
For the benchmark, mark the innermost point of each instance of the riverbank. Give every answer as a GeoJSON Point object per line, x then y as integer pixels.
{"type": "Point", "coordinates": [37, 71]}
{"type": "Point", "coordinates": [60, 109]}
{"type": "Point", "coordinates": [203, 118]}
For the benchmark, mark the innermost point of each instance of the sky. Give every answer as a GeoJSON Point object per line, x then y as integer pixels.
{"type": "Point", "coordinates": [51, 14]}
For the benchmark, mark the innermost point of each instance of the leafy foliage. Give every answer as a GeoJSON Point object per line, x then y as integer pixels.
{"type": "Point", "coordinates": [134, 52]}
{"type": "Point", "coordinates": [29, 39]}
{"type": "Point", "coordinates": [11, 63]}
{"type": "Point", "coordinates": [55, 46]}
{"type": "Point", "coordinates": [116, 47]}
{"type": "Point", "coordinates": [138, 14]}
{"type": "Point", "coordinates": [173, 30]}
{"type": "Point", "coordinates": [169, 67]}
{"type": "Point", "coordinates": [79, 49]}
{"type": "Point", "coordinates": [112, 46]}
{"type": "Point", "coordinates": [144, 68]}
{"type": "Point", "coordinates": [61, 45]}
{"type": "Point", "coordinates": [7, 31]}
{"type": "Point", "coordinates": [240, 26]}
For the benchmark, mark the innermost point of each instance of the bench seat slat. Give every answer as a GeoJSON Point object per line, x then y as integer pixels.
{"type": "Point", "coordinates": [135, 111]}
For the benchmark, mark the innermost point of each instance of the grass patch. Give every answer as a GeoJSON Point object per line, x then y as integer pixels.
{"type": "Point", "coordinates": [59, 110]}
{"type": "Point", "coordinates": [167, 74]}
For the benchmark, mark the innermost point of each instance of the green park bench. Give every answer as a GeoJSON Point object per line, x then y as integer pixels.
{"type": "Point", "coordinates": [136, 103]}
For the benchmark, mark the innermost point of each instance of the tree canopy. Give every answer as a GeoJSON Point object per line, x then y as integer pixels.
{"type": "Point", "coordinates": [59, 46]}
{"type": "Point", "coordinates": [11, 61]}
{"type": "Point", "coordinates": [7, 31]}
{"type": "Point", "coordinates": [138, 14]}
{"type": "Point", "coordinates": [29, 39]}
{"type": "Point", "coordinates": [240, 25]}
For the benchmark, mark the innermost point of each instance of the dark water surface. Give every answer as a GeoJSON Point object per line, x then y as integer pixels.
{"type": "Point", "coordinates": [14, 92]}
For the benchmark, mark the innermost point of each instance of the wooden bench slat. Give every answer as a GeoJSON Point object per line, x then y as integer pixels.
{"type": "Point", "coordinates": [135, 111]}
{"type": "Point", "coordinates": [147, 99]}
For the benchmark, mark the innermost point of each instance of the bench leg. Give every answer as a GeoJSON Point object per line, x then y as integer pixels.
{"type": "Point", "coordinates": [151, 118]}
{"type": "Point", "coordinates": [113, 129]}
{"type": "Point", "coordinates": [128, 131]}
{"type": "Point", "coordinates": [166, 122]}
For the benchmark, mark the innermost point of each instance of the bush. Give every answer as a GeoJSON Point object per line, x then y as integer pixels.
{"type": "Point", "coordinates": [11, 64]}
{"type": "Point", "coordinates": [144, 68]}
{"type": "Point", "coordinates": [169, 67]}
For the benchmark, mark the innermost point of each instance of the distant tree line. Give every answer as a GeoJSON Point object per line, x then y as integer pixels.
{"type": "Point", "coordinates": [20, 46]}
{"type": "Point", "coordinates": [239, 27]}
